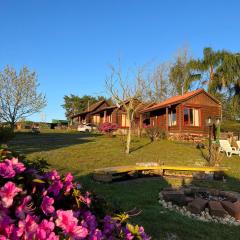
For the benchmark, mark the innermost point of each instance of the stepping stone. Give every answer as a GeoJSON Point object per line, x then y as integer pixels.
{"type": "Point", "coordinates": [197, 205]}
{"type": "Point", "coordinates": [232, 208]}
{"type": "Point", "coordinates": [216, 209]}
{"type": "Point", "coordinates": [176, 197]}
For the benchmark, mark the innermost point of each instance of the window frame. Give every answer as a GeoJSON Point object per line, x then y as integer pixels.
{"type": "Point", "coordinates": [170, 120]}
{"type": "Point", "coordinates": [188, 124]}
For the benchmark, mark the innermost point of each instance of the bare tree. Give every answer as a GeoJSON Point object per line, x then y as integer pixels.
{"type": "Point", "coordinates": [126, 91]}
{"type": "Point", "coordinates": [160, 86]}
{"type": "Point", "coordinates": [18, 95]}
{"type": "Point", "coordinates": [180, 74]}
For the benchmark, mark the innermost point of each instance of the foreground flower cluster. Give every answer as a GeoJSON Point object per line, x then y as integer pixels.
{"type": "Point", "coordinates": [37, 205]}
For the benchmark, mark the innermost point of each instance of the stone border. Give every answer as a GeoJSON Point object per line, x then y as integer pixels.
{"type": "Point", "coordinates": [205, 215]}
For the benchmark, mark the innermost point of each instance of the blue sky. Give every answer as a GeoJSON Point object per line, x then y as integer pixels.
{"type": "Point", "coordinates": [70, 44]}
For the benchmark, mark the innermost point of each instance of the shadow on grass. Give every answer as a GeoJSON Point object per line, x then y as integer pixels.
{"type": "Point", "coordinates": [28, 143]}
{"type": "Point", "coordinates": [134, 149]}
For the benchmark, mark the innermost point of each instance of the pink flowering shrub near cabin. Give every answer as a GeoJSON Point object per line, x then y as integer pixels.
{"type": "Point", "coordinates": [37, 205]}
{"type": "Point", "coordinates": [108, 128]}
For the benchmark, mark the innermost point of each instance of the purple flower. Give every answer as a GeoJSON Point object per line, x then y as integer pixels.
{"type": "Point", "coordinates": [55, 187]}
{"type": "Point", "coordinates": [90, 221]}
{"type": "Point", "coordinates": [6, 223]}
{"type": "Point", "coordinates": [24, 208]}
{"type": "Point", "coordinates": [6, 170]}
{"type": "Point", "coordinates": [96, 235]}
{"type": "Point", "coordinates": [68, 223]}
{"type": "Point", "coordinates": [108, 226]}
{"type": "Point", "coordinates": [47, 205]}
{"type": "Point", "coordinates": [8, 192]}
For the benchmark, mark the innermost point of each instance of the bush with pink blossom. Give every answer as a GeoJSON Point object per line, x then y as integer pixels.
{"type": "Point", "coordinates": [108, 128]}
{"type": "Point", "coordinates": [45, 205]}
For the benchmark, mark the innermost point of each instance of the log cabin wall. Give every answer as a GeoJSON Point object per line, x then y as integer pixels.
{"type": "Point", "coordinates": [206, 105]}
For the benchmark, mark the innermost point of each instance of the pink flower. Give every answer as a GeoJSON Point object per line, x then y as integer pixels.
{"type": "Point", "coordinates": [24, 208]}
{"type": "Point", "coordinates": [86, 199]}
{"type": "Point", "coordinates": [6, 170]}
{"type": "Point", "coordinates": [68, 185]}
{"type": "Point", "coordinates": [69, 177]}
{"type": "Point", "coordinates": [8, 192]}
{"type": "Point", "coordinates": [68, 223]}
{"type": "Point", "coordinates": [46, 205]}
{"type": "Point", "coordinates": [27, 228]}
{"type": "Point", "coordinates": [53, 175]}
{"type": "Point", "coordinates": [17, 166]}
{"type": "Point", "coordinates": [55, 187]}
{"type": "Point", "coordinates": [45, 231]}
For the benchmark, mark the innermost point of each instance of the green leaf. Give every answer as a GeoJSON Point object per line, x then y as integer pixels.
{"type": "Point", "coordinates": [38, 180]}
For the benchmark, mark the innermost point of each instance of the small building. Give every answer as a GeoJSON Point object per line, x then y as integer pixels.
{"type": "Point", "coordinates": [185, 114]}
{"type": "Point", "coordinates": [86, 116]}
{"type": "Point", "coordinates": [117, 114]}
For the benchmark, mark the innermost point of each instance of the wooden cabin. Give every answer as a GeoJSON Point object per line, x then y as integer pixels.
{"type": "Point", "coordinates": [86, 116]}
{"type": "Point", "coordinates": [185, 114]}
{"type": "Point", "coordinates": [117, 114]}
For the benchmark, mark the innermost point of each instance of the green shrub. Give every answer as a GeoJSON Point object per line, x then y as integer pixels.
{"type": "Point", "coordinates": [6, 134]}
{"type": "Point", "coordinates": [230, 126]}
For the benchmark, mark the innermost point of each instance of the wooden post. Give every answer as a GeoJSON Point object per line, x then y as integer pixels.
{"type": "Point", "coordinates": [166, 120]}
{"type": "Point", "coordinates": [180, 114]}
{"type": "Point", "coordinates": [104, 118]}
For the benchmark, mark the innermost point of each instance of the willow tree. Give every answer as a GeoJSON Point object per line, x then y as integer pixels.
{"type": "Point", "coordinates": [19, 97]}
{"type": "Point", "coordinates": [126, 90]}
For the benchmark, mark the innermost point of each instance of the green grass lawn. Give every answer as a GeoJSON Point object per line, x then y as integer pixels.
{"type": "Point", "coordinates": [82, 153]}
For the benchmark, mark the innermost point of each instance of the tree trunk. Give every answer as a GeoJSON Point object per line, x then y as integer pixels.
{"type": "Point", "coordinates": [12, 125]}
{"type": "Point", "coordinates": [129, 138]}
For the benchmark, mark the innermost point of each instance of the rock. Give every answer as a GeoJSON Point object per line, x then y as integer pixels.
{"type": "Point", "coordinates": [214, 192]}
{"type": "Point", "coordinates": [216, 209]}
{"type": "Point", "coordinates": [229, 195]}
{"type": "Point", "coordinates": [187, 191]}
{"type": "Point", "coordinates": [188, 199]}
{"type": "Point", "coordinates": [197, 205]}
{"type": "Point", "coordinates": [169, 189]}
{"type": "Point", "coordinates": [233, 210]}
{"type": "Point", "coordinates": [176, 197]}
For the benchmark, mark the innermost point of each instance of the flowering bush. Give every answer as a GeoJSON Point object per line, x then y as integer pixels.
{"type": "Point", "coordinates": [108, 128]}
{"type": "Point", "coordinates": [38, 205]}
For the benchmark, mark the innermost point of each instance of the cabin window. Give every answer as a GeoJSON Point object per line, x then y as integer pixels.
{"type": "Point", "coordinates": [125, 120]}
{"type": "Point", "coordinates": [96, 119]}
{"type": "Point", "coordinates": [191, 117]}
{"type": "Point", "coordinates": [172, 117]}
{"type": "Point", "coordinates": [109, 118]}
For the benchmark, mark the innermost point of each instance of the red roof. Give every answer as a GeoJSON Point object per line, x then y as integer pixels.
{"type": "Point", "coordinates": [177, 99]}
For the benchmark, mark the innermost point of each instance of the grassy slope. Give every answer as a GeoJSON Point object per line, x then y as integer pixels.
{"type": "Point", "coordinates": [81, 153]}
